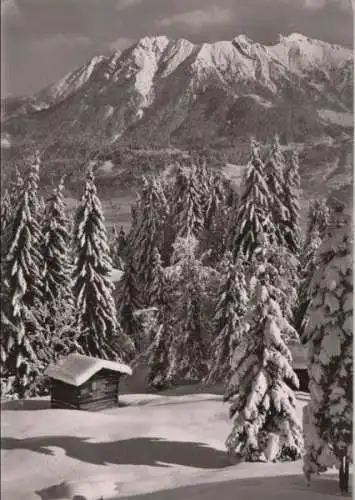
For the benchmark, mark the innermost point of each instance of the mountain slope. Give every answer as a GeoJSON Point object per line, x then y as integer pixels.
{"type": "Point", "coordinates": [160, 89]}
{"type": "Point", "coordinates": [160, 93]}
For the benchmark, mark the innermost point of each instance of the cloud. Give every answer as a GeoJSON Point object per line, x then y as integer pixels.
{"type": "Point", "coordinates": [121, 43]}
{"type": "Point", "coordinates": [125, 4]}
{"type": "Point", "coordinates": [198, 19]}
{"type": "Point", "coordinates": [10, 12]}
{"type": "Point", "coordinates": [342, 5]}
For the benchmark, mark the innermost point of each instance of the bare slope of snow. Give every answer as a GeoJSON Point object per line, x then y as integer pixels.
{"type": "Point", "coordinates": [158, 443]}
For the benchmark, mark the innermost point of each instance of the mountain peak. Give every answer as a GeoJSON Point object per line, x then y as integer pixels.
{"type": "Point", "coordinates": [244, 39]}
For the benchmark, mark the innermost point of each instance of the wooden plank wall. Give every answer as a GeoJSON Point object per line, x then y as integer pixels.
{"type": "Point", "coordinates": [99, 392]}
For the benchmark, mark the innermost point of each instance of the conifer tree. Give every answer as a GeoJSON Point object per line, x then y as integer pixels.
{"type": "Point", "coordinates": [215, 198]}
{"type": "Point", "coordinates": [180, 186]}
{"type": "Point", "coordinates": [329, 334]}
{"type": "Point", "coordinates": [188, 353]}
{"type": "Point", "coordinates": [291, 228]}
{"type": "Point", "coordinates": [254, 225]}
{"type": "Point", "coordinates": [318, 218]}
{"type": "Point", "coordinates": [22, 286]}
{"type": "Point", "coordinates": [158, 360]}
{"type": "Point", "coordinates": [148, 231]}
{"type": "Point", "coordinates": [275, 168]}
{"type": "Point", "coordinates": [6, 211]}
{"type": "Point", "coordinates": [308, 265]}
{"type": "Point", "coordinates": [92, 288]}
{"type": "Point", "coordinates": [118, 248]}
{"type": "Point", "coordinates": [263, 405]}
{"type": "Point", "coordinates": [155, 291]}
{"type": "Point", "coordinates": [204, 182]}
{"type": "Point", "coordinates": [231, 306]}
{"type": "Point", "coordinates": [16, 187]}
{"type": "Point", "coordinates": [56, 249]}
{"type": "Point", "coordinates": [189, 220]}
{"type": "Point", "coordinates": [279, 268]}
{"type": "Point", "coordinates": [128, 303]}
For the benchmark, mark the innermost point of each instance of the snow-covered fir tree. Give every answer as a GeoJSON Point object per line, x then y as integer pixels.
{"type": "Point", "coordinates": [22, 286]}
{"type": "Point", "coordinates": [158, 359]}
{"type": "Point", "coordinates": [231, 306]}
{"type": "Point", "coordinates": [188, 352]}
{"type": "Point", "coordinates": [204, 182]}
{"type": "Point", "coordinates": [277, 267]}
{"type": "Point", "coordinates": [254, 224]}
{"type": "Point", "coordinates": [156, 288]}
{"type": "Point", "coordinates": [56, 249]}
{"type": "Point", "coordinates": [58, 337]}
{"type": "Point", "coordinates": [308, 265]}
{"type": "Point", "coordinates": [6, 210]}
{"type": "Point", "coordinates": [118, 248]}
{"type": "Point", "coordinates": [263, 405]}
{"type": "Point", "coordinates": [128, 302]}
{"type": "Point", "coordinates": [148, 232]}
{"type": "Point", "coordinates": [275, 169]}
{"type": "Point", "coordinates": [291, 196]}
{"type": "Point", "coordinates": [329, 334]}
{"type": "Point", "coordinates": [190, 218]}
{"type": "Point", "coordinates": [16, 187]}
{"type": "Point", "coordinates": [101, 333]}
{"type": "Point", "coordinates": [318, 218]}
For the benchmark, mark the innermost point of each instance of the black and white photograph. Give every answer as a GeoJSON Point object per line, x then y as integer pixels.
{"type": "Point", "coordinates": [177, 249]}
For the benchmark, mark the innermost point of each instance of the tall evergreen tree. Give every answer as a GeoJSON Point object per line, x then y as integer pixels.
{"type": "Point", "coordinates": [148, 232]}
{"type": "Point", "coordinates": [278, 268]}
{"type": "Point", "coordinates": [308, 265]}
{"type": "Point", "coordinates": [230, 309]}
{"type": "Point", "coordinates": [318, 219]}
{"type": "Point", "coordinates": [254, 225]}
{"type": "Point", "coordinates": [329, 334]}
{"type": "Point", "coordinates": [56, 249]}
{"type": "Point", "coordinates": [92, 288]}
{"type": "Point", "coordinates": [156, 289]}
{"type": "Point", "coordinates": [204, 180]}
{"type": "Point", "coordinates": [22, 286]}
{"type": "Point", "coordinates": [275, 170]}
{"type": "Point", "coordinates": [291, 227]}
{"type": "Point", "coordinates": [158, 360]}
{"type": "Point", "coordinates": [16, 187]}
{"type": "Point", "coordinates": [129, 301]}
{"type": "Point", "coordinates": [188, 353]}
{"type": "Point", "coordinates": [189, 220]}
{"type": "Point", "coordinates": [263, 405]}
{"type": "Point", "coordinates": [5, 211]}
{"type": "Point", "coordinates": [118, 248]}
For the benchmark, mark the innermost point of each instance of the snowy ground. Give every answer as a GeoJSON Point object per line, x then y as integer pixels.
{"type": "Point", "coordinates": [157, 447]}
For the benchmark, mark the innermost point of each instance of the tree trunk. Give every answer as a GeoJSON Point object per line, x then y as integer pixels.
{"type": "Point", "coordinates": [344, 475]}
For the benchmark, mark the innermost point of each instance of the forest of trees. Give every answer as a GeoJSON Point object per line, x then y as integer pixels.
{"type": "Point", "coordinates": [229, 282]}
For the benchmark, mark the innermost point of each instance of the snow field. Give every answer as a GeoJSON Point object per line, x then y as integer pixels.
{"type": "Point", "coordinates": [157, 443]}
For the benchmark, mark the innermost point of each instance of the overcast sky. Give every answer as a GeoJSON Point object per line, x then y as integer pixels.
{"type": "Point", "coordinates": [45, 39]}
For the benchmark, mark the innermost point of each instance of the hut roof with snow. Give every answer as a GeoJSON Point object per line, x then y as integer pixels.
{"type": "Point", "coordinates": [82, 382]}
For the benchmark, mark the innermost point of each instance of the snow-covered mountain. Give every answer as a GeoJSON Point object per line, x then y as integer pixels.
{"type": "Point", "coordinates": [174, 95]}
{"type": "Point", "coordinates": [162, 90]}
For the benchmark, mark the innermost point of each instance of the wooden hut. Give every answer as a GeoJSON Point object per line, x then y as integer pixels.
{"type": "Point", "coordinates": [84, 383]}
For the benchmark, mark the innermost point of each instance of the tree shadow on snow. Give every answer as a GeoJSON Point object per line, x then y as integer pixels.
{"type": "Point", "coordinates": [135, 451]}
{"type": "Point", "coordinates": [277, 487]}
{"type": "Point", "coordinates": [289, 487]}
